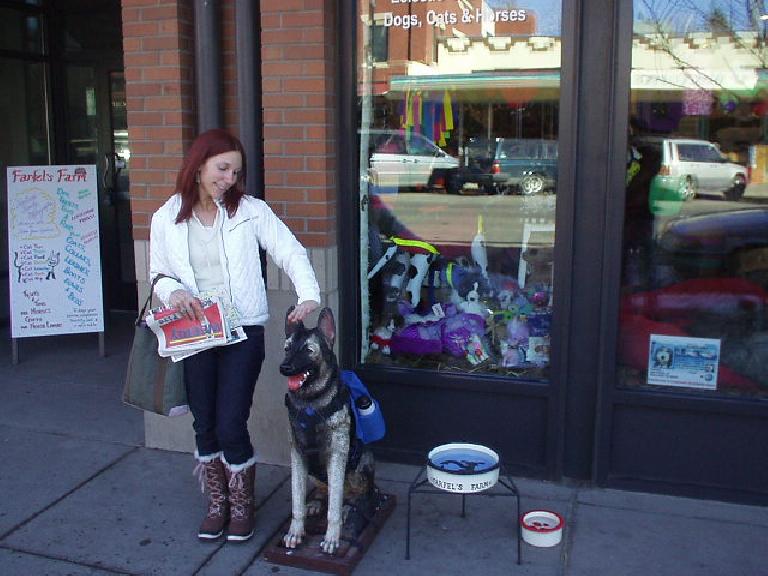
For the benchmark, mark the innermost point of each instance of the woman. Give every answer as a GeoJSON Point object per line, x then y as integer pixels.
{"type": "Point", "coordinates": [206, 238]}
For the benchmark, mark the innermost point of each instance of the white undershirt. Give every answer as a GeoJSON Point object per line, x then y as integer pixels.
{"type": "Point", "coordinates": [204, 253]}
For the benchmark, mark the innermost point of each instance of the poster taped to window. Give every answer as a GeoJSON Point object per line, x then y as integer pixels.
{"type": "Point", "coordinates": [683, 362]}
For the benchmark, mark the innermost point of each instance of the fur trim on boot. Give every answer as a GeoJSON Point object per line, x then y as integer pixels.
{"type": "Point", "coordinates": [213, 479]}
{"type": "Point", "coordinates": [240, 482]}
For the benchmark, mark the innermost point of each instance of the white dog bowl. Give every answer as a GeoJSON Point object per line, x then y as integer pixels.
{"type": "Point", "coordinates": [462, 468]}
{"type": "Point", "coordinates": [542, 528]}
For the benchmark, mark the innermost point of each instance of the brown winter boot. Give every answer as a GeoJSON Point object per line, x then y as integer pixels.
{"type": "Point", "coordinates": [241, 519]}
{"type": "Point", "coordinates": [213, 480]}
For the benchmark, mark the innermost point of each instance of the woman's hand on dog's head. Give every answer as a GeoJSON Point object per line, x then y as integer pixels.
{"type": "Point", "coordinates": [303, 310]}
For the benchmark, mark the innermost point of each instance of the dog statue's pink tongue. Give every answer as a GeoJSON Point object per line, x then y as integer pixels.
{"type": "Point", "coordinates": [294, 382]}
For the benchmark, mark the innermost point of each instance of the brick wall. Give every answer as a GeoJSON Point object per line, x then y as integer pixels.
{"type": "Point", "coordinates": [159, 59]}
{"type": "Point", "coordinates": [298, 64]}
{"type": "Point", "coordinates": [298, 47]}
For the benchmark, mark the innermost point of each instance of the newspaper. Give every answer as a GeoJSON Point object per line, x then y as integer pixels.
{"type": "Point", "coordinates": [180, 337]}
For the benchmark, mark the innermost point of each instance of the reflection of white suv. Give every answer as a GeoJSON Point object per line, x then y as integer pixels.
{"type": "Point", "coordinates": [400, 160]}
{"type": "Point", "coordinates": [698, 166]}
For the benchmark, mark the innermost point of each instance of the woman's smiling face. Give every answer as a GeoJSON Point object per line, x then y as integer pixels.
{"type": "Point", "coordinates": [219, 174]}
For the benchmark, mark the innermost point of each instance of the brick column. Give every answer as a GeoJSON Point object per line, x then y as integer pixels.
{"type": "Point", "coordinates": [298, 68]}
{"type": "Point", "coordinates": [298, 47]}
{"type": "Point", "coordinates": [158, 57]}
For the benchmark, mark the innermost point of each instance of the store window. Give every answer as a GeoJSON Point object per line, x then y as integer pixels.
{"type": "Point", "coordinates": [694, 302]}
{"type": "Point", "coordinates": [82, 118]}
{"type": "Point", "coordinates": [20, 31]}
{"type": "Point", "coordinates": [458, 143]}
{"type": "Point", "coordinates": [24, 138]}
{"type": "Point", "coordinates": [90, 28]}
{"type": "Point", "coordinates": [23, 112]}
{"type": "Point", "coordinates": [379, 43]}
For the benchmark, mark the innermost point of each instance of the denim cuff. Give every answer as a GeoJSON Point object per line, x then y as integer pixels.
{"type": "Point", "coordinates": [208, 457]}
{"type": "Point", "coordinates": [238, 467]}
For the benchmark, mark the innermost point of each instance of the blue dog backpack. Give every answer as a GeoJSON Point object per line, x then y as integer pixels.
{"type": "Point", "coordinates": [369, 423]}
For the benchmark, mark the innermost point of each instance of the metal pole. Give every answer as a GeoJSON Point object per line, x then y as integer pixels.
{"type": "Point", "coordinates": [366, 117]}
{"type": "Point", "coordinates": [462, 145]}
{"type": "Point", "coordinates": [102, 346]}
{"type": "Point", "coordinates": [519, 528]}
{"type": "Point", "coordinates": [248, 41]}
{"type": "Point", "coordinates": [408, 529]}
{"type": "Point", "coordinates": [488, 122]}
{"type": "Point", "coordinates": [207, 65]}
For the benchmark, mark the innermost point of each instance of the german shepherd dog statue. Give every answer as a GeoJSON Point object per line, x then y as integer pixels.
{"type": "Point", "coordinates": [323, 440]}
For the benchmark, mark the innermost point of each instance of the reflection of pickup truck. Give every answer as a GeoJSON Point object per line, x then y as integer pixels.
{"type": "Point", "coordinates": [525, 166]}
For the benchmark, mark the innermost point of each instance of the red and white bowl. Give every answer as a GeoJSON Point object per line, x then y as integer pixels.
{"type": "Point", "coordinates": [542, 528]}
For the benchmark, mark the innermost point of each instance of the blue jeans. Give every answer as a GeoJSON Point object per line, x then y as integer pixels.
{"type": "Point", "coordinates": [220, 384]}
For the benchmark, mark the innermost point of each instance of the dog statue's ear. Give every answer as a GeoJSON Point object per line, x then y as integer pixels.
{"type": "Point", "coordinates": [327, 326]}
{"type": "Point", "coordinates": [291, 327]}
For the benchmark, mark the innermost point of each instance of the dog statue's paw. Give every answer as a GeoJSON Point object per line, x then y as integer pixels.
{"type": "Point", "coordinates": [294, 535]}
{"type": "Point", "coordinates": [332, 539]}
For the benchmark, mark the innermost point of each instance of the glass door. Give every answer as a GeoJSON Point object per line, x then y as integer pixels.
{"type": "Point", "coordinates": [694, 304]}
{"type": "Point", "coordinates": [96, 133]}
{"type": "Point", "coordinates": [117, 188]}
{"type": "Point", "coordinates": [685, 381]}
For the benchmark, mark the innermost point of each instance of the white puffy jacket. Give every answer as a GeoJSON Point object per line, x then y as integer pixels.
{"type": "Point", "coordinates": [253, 225]}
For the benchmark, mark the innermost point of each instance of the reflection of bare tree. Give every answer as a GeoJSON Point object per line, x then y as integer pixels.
{"type": "Point", "coordinates": [673, 18]}
{"type": "Point", "coordinates": [721, 23]}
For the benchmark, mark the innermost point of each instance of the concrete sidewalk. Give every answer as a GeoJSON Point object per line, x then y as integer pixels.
{"type": "Point", "coordinates": [81, 495]}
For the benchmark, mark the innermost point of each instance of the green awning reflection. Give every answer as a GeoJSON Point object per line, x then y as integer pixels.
{"type": "Point", "coordinates": [484, 86]}
{"type": "Point", "coordinates": [478, 80]}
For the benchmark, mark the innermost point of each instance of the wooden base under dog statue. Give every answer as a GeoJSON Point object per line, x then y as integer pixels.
{"type": "Point", "coordinates": [309, 554]}
{"type": "Point", "coordinates": [331, 530]}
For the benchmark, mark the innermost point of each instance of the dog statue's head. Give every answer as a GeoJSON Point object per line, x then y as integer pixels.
{"type": "Point", "coordinates": [309, 359]}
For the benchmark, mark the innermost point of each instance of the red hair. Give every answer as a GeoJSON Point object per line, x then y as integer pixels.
{"type": "Point", "coordinates": [208, 144]}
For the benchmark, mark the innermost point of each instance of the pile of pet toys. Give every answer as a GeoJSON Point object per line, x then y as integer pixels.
{"type": "Point", "coordinates": [437, 306]}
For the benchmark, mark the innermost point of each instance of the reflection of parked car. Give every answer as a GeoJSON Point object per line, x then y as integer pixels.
{"type": "Point", "coordinates": [720, 242]}
{"type": "Point", "coordinates": [525, 166]}
{"type": "Point", "coordinates": [408, 160]}
{"type": "Point", "coordinates": [478, 160]}
{"type": "Point", "coordinates": [717, 232]}
{"type": "Point", "coordinates": [690, 167]}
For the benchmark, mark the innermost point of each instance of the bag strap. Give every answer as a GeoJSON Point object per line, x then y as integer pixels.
{"type": "Point", "coordinates": [140, 317]}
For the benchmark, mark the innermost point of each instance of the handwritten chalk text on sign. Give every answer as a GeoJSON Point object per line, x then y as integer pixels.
{"type": "Point", "coordinates": [54, 253]}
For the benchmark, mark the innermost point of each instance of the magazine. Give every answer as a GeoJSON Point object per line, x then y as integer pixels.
{"type": "Point", "coordinates": [180, 337]}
